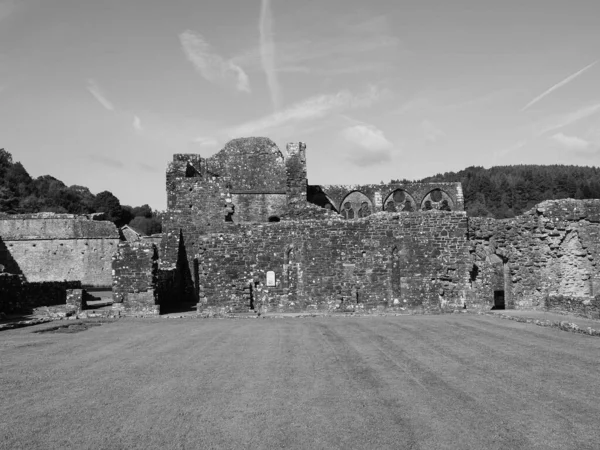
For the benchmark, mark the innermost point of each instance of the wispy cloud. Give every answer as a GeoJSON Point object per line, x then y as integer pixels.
{"type": "Point", "coordinates": [7, 7]}
{"type": "Point", "coordinates": [449, 100]}
{"type": "Point", "coordinates": [558, 85]}
{"type": "Point", "coordinates": [511, 148]}
{"type": "Point", "coordinates": [205, 141]}
{"type": "Point", "coordinates": [366, 144]}
{"type": "Point", "coordinates": [97, 93]}
{"type": "Point", "coordinates": [267, 52]}
{"type": "Point", "coordinates": [567, 119]}
{"type": "Point", "coordinates": [572, 142]}
{"type": "Point", "coordinates": [106, 161]}
{"type": "Point", "coordinates": [312, 108]}
{"type": "Point", "coordinates": [148, 167]}
{"type": "Point", "coordinates": [351, 46]}
{"type": "Point", "coordinates": [210, 65]}
{"type": "Point", "coordinates": [137, 124]}
{"type": "Point", "coordinates": [431, 132]}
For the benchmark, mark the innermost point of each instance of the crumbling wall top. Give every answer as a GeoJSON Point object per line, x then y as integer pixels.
{"type": "Point", "coordinates": [20, 227]}
{"type": "Point", "coordinates": [251, 164]}
{"type": "Point", "coordinates": [569, 209]}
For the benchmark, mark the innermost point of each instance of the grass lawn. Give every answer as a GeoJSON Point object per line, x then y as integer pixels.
{"type": "Point", "coordinates": [410, 382]}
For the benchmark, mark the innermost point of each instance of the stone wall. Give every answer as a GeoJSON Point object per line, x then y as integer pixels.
{"type": "Point", "coordinates": [140, 287]}
{"type": "Point", "coordinates": [580, 306]}
{"type": "Point", "coordinates": [552, 250]}
{"type": "Point", "coordinates": [402, 261]}
{"type": "Point", "coordinates": [247, 214]}
{"type": "Point", "coordinates": [19, 296]}
{"type": "Point", "coordinates": [58, 247]}
{"type": "Point", "coordinates": [135, 267]}
{"type": "Point", "coordinates": [395, 197]}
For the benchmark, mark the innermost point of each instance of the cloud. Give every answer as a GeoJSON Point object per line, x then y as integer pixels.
{"type": "Point", "coordinates": [512, 148]}
{"type": "Point", "coordinates": [210, 65]}
{"type": "Point", "coordinates": [205, 141]}
{"type": "Point", "coordinates": [431, 132]}
{"type": "Point", "coordinates": [312, 108]}
{"type": "Point", "coordinates": [106, 161]}
{"type": "Point", "coordinates": [567, 119]}
{"type": "Point", "coordinates": [95, 90]}
{"type": "Point", "coordinates": [148, 167]}
{"type": "Point", "coordinates": [367, 144]}
{"type": "Point", "coordinates": [7, 8]}
{"type": "Point", "coordinates": [267, 52]}
{"type": "Point", "coordinates": [137, 124]}
{"type": "Point", "coordinates": [558, 85]}
{"type": "Point", "coordinates": [346, 45]}
{"type": "Point", "coordinates": [572, 142]}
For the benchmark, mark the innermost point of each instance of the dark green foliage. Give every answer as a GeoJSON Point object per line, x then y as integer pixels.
{"type": "Point", "coordinates": [142, 211]}
{"type": "Point", "coordinates": [107, 203]}
{"type": "Point", "coordinates": [19, 193]}
{"type": "Point", "coordinates": [146, 225]}
{"type": "Point", "coordinates": [507, 191]}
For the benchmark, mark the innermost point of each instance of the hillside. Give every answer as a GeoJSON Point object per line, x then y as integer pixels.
{"type": "Point", "coordinates": [20, 193]}
{"type": "Point", "coordinates": [507, 191]}
{"type": "Point", "coordinates": [501, 192]}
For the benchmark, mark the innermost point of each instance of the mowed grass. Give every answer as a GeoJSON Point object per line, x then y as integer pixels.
{"type": "Point", "coordinates": [411, 382]}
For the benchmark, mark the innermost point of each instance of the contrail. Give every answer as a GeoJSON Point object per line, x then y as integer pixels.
{"type": "Point", "coordinates": [267, 52]}
{"type": "Point", "coordinates": [558, 85]}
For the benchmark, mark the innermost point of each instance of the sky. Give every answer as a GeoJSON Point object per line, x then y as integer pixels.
{"type": "Point", "coordinates": [103, 93]}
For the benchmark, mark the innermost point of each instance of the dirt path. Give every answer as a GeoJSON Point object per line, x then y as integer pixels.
{"type": "Point", "coordinates": [430, 382]}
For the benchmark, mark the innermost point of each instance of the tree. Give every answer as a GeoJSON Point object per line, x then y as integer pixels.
{"type": "Point", "coordinates": [107, 203]}
{"type": "Point", "coordinates": [142, 211]}
{"type": "Point", "coordinates": [145, 225]}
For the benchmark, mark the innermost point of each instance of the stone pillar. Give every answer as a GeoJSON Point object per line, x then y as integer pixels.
{"type": "Point", "coordinates": [75, 302]}
{"type": "Point", "coordinates": [295, 165]}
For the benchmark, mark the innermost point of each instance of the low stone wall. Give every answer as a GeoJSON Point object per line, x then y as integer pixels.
{"type": "Point", "coordinates": [55, 247]}
{"type": "Point", "coordinates": [553, 249]}
{"type": "Point", "coordinates": [580, 306]}
{"type": "Point", "coordinates": [136, 279]}
{"type": "Point", "coordinates": [19, 296]}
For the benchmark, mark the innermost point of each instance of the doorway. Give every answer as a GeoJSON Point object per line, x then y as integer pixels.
{"type": "Point", "coordinates": [499, 300]}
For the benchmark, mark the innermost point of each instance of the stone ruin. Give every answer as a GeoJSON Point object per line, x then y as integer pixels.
{"type": "Point", "coordinates": [245, 232]}
{"type": "Point", "coordinates": [44, 255]}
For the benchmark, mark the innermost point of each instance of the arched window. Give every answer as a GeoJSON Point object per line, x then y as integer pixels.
{"type": "Point", "coordinates": [399, 200]}
{"type": "Point", "coordinates": [356, 205]}
{"type": "Point", "coordinates": [437, 199]}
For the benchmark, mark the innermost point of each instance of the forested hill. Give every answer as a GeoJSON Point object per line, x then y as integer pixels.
{"type": "Point", "coordinates": [20, 193]}
{"type": "Point", "coordinates": [507, 191]}
{"type": "Point", "coordinates": [502, 191]}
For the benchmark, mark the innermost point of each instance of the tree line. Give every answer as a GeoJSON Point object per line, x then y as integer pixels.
{"type": "Point", "coordinates": [507, 191]}
{"type": "Point", "coordinates": [20, 193]}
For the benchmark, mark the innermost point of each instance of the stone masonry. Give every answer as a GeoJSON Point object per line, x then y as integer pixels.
{"type": "Point", "coordinates": [244, 231]}
{"type": "Point", "coordinates": [48, 247]}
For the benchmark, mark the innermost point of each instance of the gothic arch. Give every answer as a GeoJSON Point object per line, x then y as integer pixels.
{"type": "Point", "coordinates": [437, 199]}
{"type": "Point", "coordinates": [356, 205]}
{"type": "Point", "coordinates": [399, 200]}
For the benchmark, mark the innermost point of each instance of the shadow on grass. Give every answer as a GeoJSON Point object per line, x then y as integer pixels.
{"type": "Point", "coordinates": [70, 328]}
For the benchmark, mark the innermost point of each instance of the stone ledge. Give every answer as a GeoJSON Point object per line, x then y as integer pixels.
{"type": "Point", "coordinates": [560, 324]}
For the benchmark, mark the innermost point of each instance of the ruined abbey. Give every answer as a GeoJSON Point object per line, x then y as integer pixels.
{"type": "Point", "coordinates": [245, 231]}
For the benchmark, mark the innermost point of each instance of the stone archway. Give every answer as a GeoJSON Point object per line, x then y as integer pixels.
{"type": "Point", "coordinates": [356, 205]}
{"type": "Point", "coordinates": [399, 200]}
{"type": "Point", "coordinates": [437, 199]}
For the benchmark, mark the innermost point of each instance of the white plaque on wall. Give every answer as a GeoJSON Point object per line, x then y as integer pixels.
{"type": "Point", "coordinates": [270, 278]}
